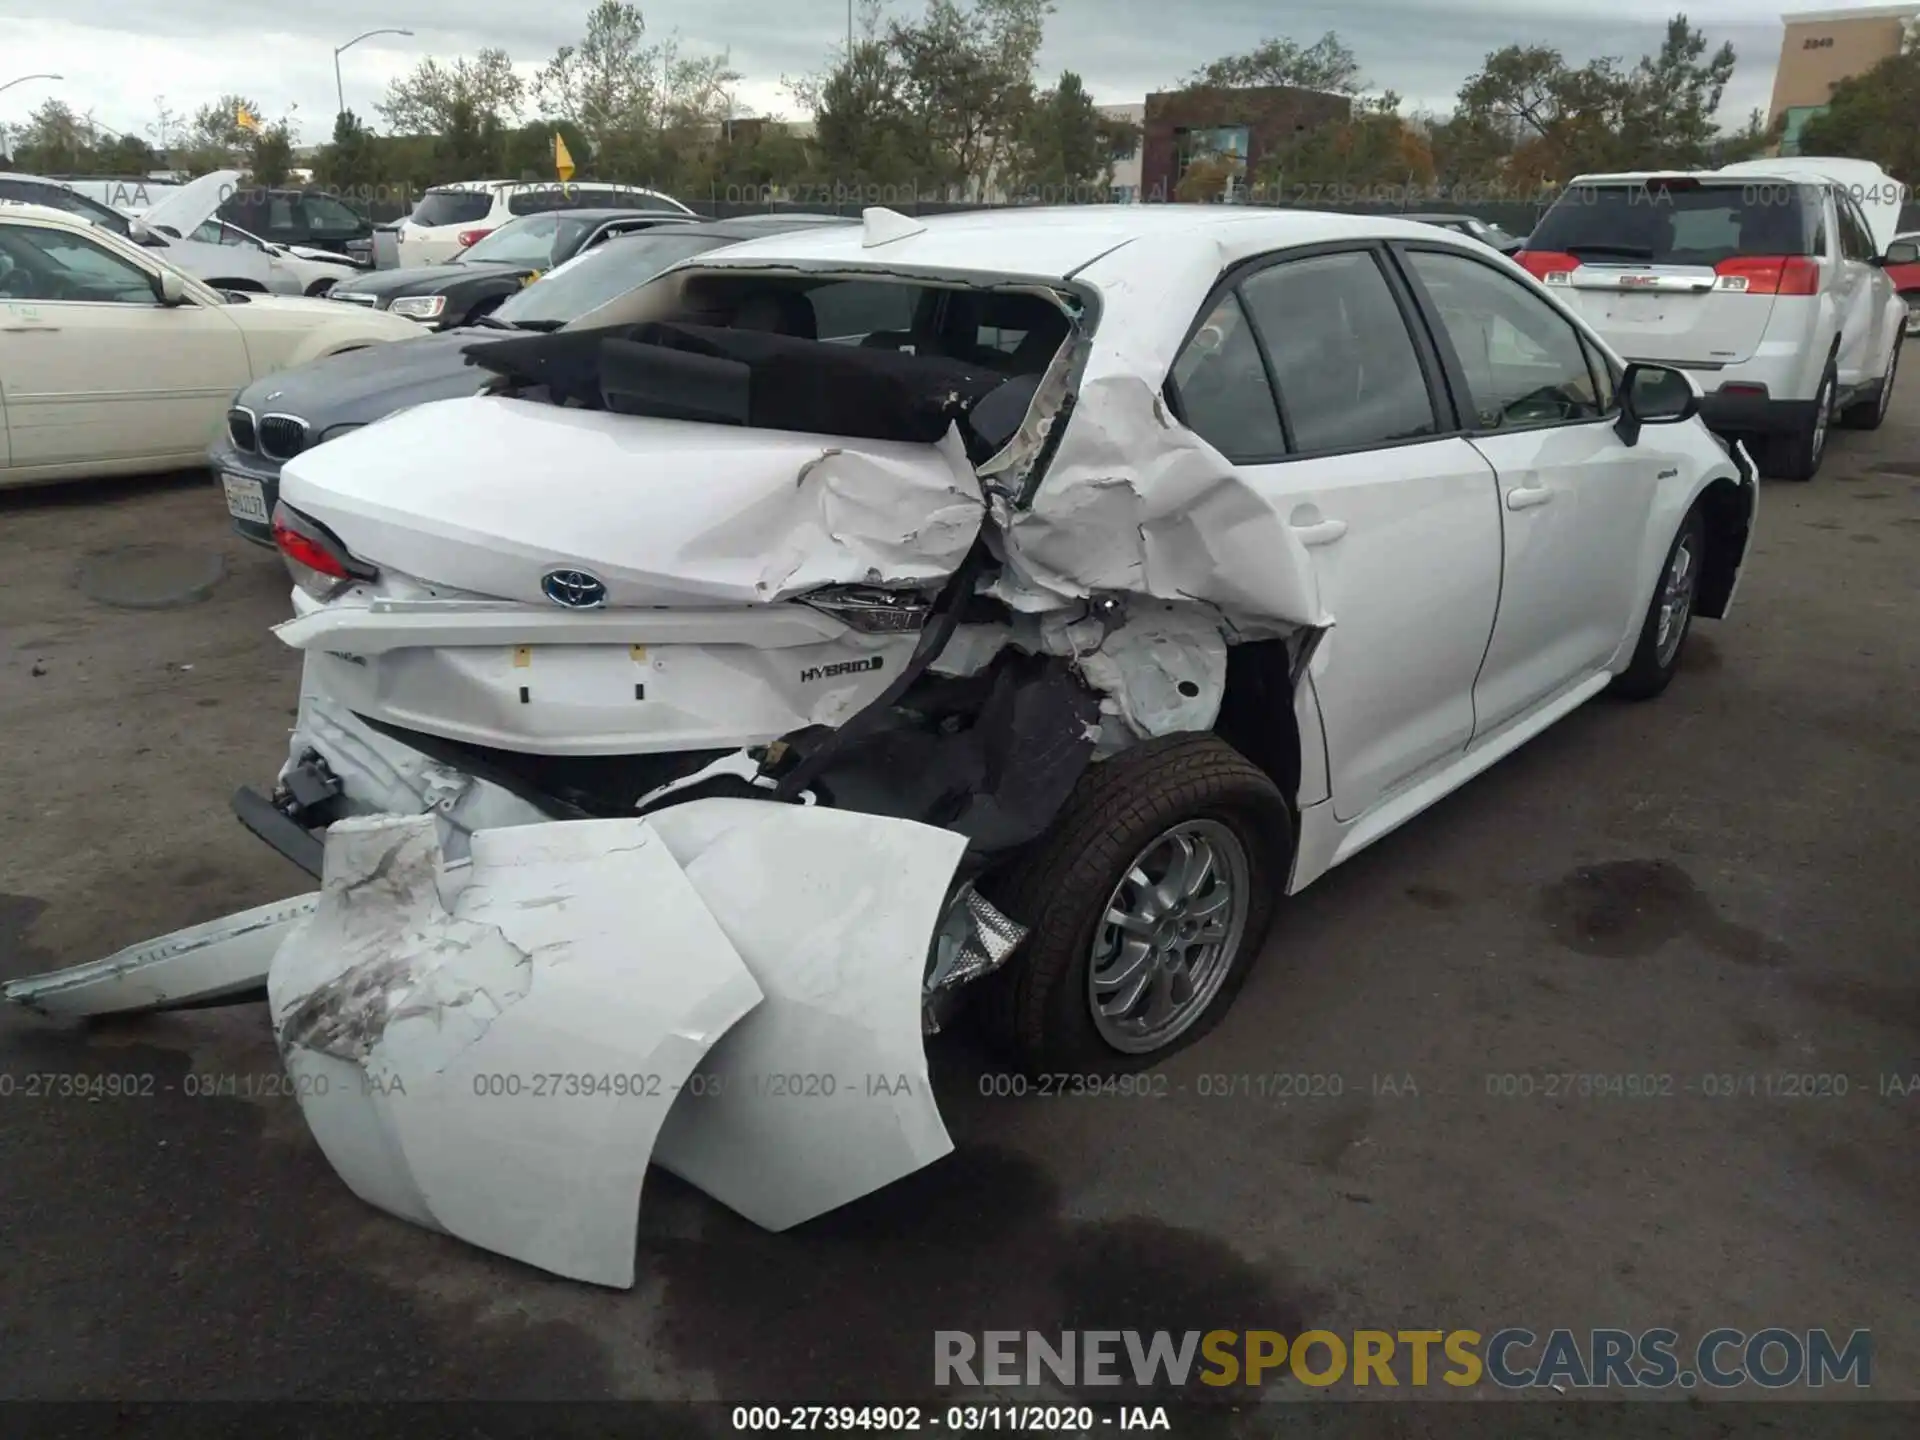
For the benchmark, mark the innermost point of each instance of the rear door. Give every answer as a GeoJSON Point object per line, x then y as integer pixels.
{"type": "Point", "coordinates": [1857, 297]}
{"type": "Point", "coordinates": [1680, 271]}
{"type": "Point", "coordinates": [1399, 514]}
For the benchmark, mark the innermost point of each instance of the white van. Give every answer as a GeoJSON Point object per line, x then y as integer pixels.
{"type": "Point", "coordinates": [451, 217]}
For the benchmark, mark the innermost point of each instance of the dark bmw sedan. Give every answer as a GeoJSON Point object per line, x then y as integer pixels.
{"type": "Point", "coordinates": [278, 416]}
{"type": "Point", "coordinates": [511, 258]}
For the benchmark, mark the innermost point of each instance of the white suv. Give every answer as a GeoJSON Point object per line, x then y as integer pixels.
{"type": "Point", "coordinates": [1765, 280]}
{"type": "Point", "coordinates": [451, 217]}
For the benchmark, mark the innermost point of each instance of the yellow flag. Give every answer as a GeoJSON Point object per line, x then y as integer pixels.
{"type": "Point", "coordinates": [562, 161]}
{"type": "Point", "coordinates": [245, 118]}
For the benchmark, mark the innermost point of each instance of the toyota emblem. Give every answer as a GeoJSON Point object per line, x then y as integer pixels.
{"type": "Point", "coordinates": [575, 589]}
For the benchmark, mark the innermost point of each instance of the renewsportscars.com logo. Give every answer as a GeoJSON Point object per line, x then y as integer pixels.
{"type": "Point", "coordinates": [1512, 1359]}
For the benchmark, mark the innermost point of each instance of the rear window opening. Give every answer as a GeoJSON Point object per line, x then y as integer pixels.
{"type": "Point", "coordinates": [878, 359]}
{"type": "Point", "coordinates": [452, 207]}
{"type": "Point", "coordinates": [1681, 222]}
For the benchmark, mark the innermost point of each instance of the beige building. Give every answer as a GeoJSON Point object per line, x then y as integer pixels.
{"type": "Point", "coordinates": [1824, 47]}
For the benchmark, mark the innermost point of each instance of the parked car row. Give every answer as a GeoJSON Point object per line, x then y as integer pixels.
{"type": "Point", "coordinates": [1771, 282]}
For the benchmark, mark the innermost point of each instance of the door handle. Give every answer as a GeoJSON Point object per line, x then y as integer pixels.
{"type": "Point", "coordinates": [1525, 497]}
{"type": "Point", "coordinates": [1323, 533]}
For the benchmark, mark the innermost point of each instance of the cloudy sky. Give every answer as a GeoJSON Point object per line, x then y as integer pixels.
{"type": "Point", "coordinates": [117, 56]}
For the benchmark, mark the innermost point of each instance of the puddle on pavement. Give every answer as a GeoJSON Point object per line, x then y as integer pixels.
{"type": "Point", "coordinates": [846, 1306]}
{"type": "Point", "coordinates": [1628, 909]}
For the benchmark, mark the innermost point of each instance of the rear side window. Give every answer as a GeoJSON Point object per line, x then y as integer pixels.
{"type": "Point", "coordinates": [453, 207]}
{"type": "Point", "coordinates": [1680, 224]}
{"type": "Point", "coordinates": [1342, 358]}
{"type": "Point", "coordinates": [1221, 387]}
{"type": "Point", "coordinates": [544, 199]}
{"type": "Point", "coordinates": [328, 216]}
{"type": "Point", "coordinates": [1856, 241]}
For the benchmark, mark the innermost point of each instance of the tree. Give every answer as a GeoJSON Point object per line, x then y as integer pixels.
{"type": "Point", "coordinates": [967, 80]}
{"type": "Point", "coordinates": [215, 138]}
{"type": "Point", "coordinates": [863, 125]}
{"type": "Point", "coordinates": [54, 141]}
{"type": "Point", "coordinates": [608, 83]}
{"type": "Point", "coordinates": [350, 163]}
{"type": "Point", "coordinates": [472, 142]}
{"type": "Point", "coordinates": [270, 154]}
{"type": "Point", "coordinates": [1374, 151]}
{"type": "Point", "coordinates": [426, 100]}
{"type": "Point", "coordinates": [1672, 98]}
{"type": "Point", "coordinates": [529, 150]}
{"type": "Point", "coordinates": [1207, 179]}
{"type": "Point", "coordinates": [1871, 117]}
{"type": "Point", "coordinates": [1065, 148]}
{"type": "Point", "coordinates": [1327, 65]}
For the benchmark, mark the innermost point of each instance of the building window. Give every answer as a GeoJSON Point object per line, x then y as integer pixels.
{"type": "Point", "coordinates": [1220, 153]}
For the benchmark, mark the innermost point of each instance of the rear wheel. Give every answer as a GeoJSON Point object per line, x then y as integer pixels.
{"type": "Point", "coordinates": [1869, 414]}
{"type": "Point", "coordinates": [1147, 903]}
{"type": "Point", "coordinates": [1797, 456]}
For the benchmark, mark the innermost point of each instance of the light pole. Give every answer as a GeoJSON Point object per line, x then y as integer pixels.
{"type": "Point", "coordinates": [24, 78]}
{"type": "Point", "coordinates": [339, 92]}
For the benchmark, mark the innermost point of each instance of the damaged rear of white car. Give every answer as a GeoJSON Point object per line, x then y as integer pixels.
{"type": "Point", "coordinates": [834, 625]}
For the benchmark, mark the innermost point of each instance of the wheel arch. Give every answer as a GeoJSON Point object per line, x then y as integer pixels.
{"type": "Point", "coordinates": [1257, 715]}
{"type": "Point", "coordinates": [1726, 522]}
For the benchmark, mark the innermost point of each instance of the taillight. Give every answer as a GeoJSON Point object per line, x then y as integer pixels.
{"type": "Point", "coordinates": [1549, 267]}
{"type": "Point", "coordinates": [472, 237]}
{"type": "Point", "coordinates": [318, 562]}
{"type": "Point", "coordinates": [1769, 275]}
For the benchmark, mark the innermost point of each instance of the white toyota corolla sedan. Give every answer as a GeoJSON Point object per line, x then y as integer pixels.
{"type": "Point", "coordinates": [112, 362]}
{"type": "Point", "coordinates": [1016, 601]}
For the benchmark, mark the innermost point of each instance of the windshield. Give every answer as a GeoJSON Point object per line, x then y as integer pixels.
{"type": "Point", "coordinates": [1690, 225]}
{"type": "Point", "coordinates": [603, 273]}
{"type": "Point", "coordinates": [533, 240]}
{"type": "Point", "coordinates": [452, 207]}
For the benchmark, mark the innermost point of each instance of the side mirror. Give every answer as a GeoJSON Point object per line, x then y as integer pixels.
{"type": "Point", "coordinates": [141, 233]}
{"type": "Point", "coordinates": [1902, 252]}
{"type": "Point", "coordinates": [171, 289]}
{"type": "Point", "coordinates": [1655, 395]}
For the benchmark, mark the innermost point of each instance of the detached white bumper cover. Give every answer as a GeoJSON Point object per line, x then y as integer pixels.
{"type": "Point", "coordinates": [495, 1049]}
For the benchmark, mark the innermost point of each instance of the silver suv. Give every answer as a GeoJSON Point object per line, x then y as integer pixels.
{"type": "Point", "coordinates": [1766, 280]}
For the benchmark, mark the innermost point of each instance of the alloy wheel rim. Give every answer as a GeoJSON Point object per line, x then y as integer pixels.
{"type": "Point", "coordinates": [1676, 601]}
{"type": "Point", "coordinates": [1168, 936]}
{"type": "Point", "coordinates": [1886, 386]}
{"type": "Point", "coordinates": [1822, 411]}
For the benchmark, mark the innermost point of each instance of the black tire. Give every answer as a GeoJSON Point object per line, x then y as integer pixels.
{"type": "Point", "coordinates": [1798, 456]}
{"type": "Point", "coordinates": [1039, 1009]}
{"type": "Point", "coordinates": [1654, 666]}
{"type": "Point", "coordinates": [1870, 414]}
{"type": "Point", "coordinates": [321, 286]}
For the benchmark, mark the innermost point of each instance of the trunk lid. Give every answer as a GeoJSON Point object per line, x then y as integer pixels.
{"type": "Point", "coordinates": [1676, 314]}
{"type": "Point", "coordinates": [542, 504]}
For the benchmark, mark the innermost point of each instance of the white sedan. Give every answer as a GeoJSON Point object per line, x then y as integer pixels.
{"type": "Point", "coordinates": [112, 362]}
{"type": "Point", "coordinates": [1026, 601]}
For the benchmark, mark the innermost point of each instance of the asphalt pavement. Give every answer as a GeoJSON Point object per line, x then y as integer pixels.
{"type": "Point", "coordinates": [1718, 886]}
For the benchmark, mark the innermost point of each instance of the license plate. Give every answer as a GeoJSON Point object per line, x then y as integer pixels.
{"type": "Point", "coordinates": [246, 500]}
